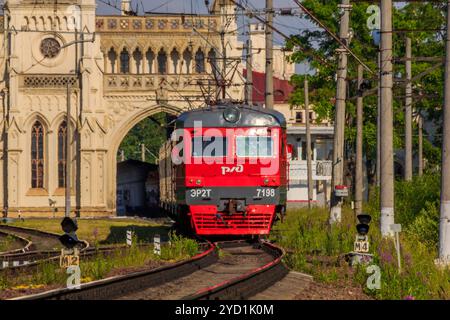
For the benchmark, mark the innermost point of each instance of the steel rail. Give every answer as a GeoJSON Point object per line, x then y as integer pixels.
{"type": "Point", "coordinates": [114, 287]}
{"type": "Point", "coordinates": [29, 261]}
{"type": "Point", "coordinates": [27, 244]}
{"type": "Point", "coordinates": [250, 283]}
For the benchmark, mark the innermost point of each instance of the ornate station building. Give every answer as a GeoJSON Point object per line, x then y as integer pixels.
{"type": "Point", "coordinates": [111, 72]}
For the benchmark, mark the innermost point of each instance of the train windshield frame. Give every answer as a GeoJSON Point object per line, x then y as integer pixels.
{"type": "Point", "coordinates": [209, 146]}
{"type": "Point", "coordinates": [254, 146]}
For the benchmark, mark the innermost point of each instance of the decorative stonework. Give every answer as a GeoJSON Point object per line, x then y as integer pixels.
{"type": "Point", "coordinates": [48, 81]}
{"type": "Point", "coordinates": [144, 24]}
{"type": "Point", "coordinates": [50, 48]}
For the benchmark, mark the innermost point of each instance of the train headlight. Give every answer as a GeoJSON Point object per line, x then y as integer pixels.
{"type": "Point", "coordinates": [232, 114]}
{"type": "Point", "coordinates": [198, 182]}
{"type": "Point", "coordinates": [266, 181]}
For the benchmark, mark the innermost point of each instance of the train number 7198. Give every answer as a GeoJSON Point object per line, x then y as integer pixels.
{"type": "Point", "coordinates": [265, 193]}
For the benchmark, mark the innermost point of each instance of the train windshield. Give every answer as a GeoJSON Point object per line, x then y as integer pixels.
{"type": "Point", "coordinates": [255, 146]}
{"type": "Point", "coordinates": [209, 146]}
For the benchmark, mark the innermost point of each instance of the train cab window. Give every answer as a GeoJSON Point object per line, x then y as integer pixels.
{"type": "Point", "coordinates": [256, 146]}
{"type": "Point", "coordinates": [209, 146]}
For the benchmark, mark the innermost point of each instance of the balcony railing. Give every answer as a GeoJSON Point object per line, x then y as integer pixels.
{"type": "Point", "coordinates": [321, 170]}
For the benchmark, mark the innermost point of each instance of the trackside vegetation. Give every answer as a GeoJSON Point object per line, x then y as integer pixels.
{"type": "Point", "coordinates": [135, 258]}
{"type": "Point", "coordinates": [317, 248]}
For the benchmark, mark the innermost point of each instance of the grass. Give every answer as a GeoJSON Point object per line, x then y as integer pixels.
{"type": "Point", "coordinates": [102, 266]}
{"type": "Point", "coordinates": [314, 247]}
{"type": "Point", "coordinates": [100, 231]}
{"type": "Point", "coordinates": [8, 243]}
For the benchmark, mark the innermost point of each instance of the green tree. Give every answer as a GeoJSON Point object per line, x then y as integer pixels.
{"type": "Point", "coordinates": [151, 132]}
{"type": "Point", "coordinates": [429, 89]}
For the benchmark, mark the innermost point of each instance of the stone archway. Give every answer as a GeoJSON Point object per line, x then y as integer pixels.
{"type": "Point", "coordinates": [116, 140]}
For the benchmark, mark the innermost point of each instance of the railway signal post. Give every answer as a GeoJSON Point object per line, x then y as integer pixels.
{"type": "Point", "coordinates": [361, 246]}
{"type": "Point", "coordinates": [70, 255]}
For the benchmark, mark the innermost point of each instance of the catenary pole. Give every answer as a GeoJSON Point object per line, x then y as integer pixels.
{"type": "Point", "coordinates": [68, 152]}
{"type": "Point", "coordinates": [378, 168]}
{"type": "Point", "coordinates": [339, 122]}
{"type": "Point", "coordinates": [249, 67]}
{"type": "Point", "coordinates": [359, 146]}
{"type": "Point", "coordinates": [386, 122]}
{"type": "Point", "coordinates": [269, 55]}
{"type": "Point", "coordinates": [444, 226]}
{"type": "Point", "coordinates": [408, 113]}
{"type": "Point", "coordinates": [308, 144]}
{"type": "Point", "coordinates": [420, 151]}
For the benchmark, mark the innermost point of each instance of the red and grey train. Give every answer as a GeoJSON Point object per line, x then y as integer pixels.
{"type": "Point", "coordinates": [224, 170]}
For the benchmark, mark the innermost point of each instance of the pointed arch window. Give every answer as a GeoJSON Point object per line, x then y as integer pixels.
{"type": "Point", "coordinates": [137, 56]}
{"type": "Point", "coordinates": [162, 62]}
{"type": "Point", "coordinates": [187, 57]}
{"type": "Point", "coordinates": [175, 56]}
{"type": "Point", "coordinates": [112, 56]}
{"type": "Point", "coordinates": [150, 59]}
{"type": "Point", "coordinates": [124, 61]}
{"type": "Point", "coordinates": [37, 155]}
{"type": "Point", "coordinates": [199, 61]}
{"type": "Point", "coordinates": [62, 157]}
{"type": "Point", "coordinates": [212, 59]}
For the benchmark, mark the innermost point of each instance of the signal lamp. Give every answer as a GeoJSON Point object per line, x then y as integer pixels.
{"type": "Point", "coordinates": [69, 225]}
{"type": "Point", "coordinates": [69, 240]}
{"type": "Point", "coordinates": [362, 229]}
{"type": "Point", "coordinates": [232, 114]}
{"type": "Point", "coordinates": [198, 182]}
{"type": "Point", "coordinates": [364, 218]}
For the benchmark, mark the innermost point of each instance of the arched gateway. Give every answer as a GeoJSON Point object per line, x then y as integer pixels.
{"type": "Point", "coordinates": [117, 138]}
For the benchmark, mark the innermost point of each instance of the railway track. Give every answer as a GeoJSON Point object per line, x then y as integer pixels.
{"type": "Point", "coordinates": [38, 246]}
{"type": "Point", "coordinates": [238, 271]}
{"type": "Point", "coordinates": [39, 240]}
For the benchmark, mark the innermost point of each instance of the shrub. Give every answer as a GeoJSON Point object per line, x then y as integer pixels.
{"type": "Point", "coordinates": [426, 225]}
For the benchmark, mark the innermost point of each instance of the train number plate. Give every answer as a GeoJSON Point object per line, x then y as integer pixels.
{"type": "Point", "coordinates": [200, 193]}
{"type": "Point", "coordinates": [265, 193]}
{"type": "Point", "coordinates": [361, 246]}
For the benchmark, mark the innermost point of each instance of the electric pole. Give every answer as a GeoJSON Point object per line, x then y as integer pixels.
{"type": "Point", "coordinates": [339, 122]}
{"type": "Point", "coordinates": [386, 125]}
{"type": "Point", "coordinates": [248, 60]}
{"type": "Point", "coordinates": [420, 125]}
{"type": "Point", "coordinates": [444, 226]}
{"type": "Point", "coordinates": [408, 113]}
{"type": "Point", "coordinates": [6, 115]}
{"type": "Point", "coordinates": [359, 145]}
{"type": "Point", "coordinates": [68, 153]}
{"type": "Point", "coordinates": [308, 144]}
{"type": "Point", "coordinates": [269, 54]}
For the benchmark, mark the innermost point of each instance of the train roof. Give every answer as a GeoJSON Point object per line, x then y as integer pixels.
{"type": "Point", "coordinates": [212, 116]}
